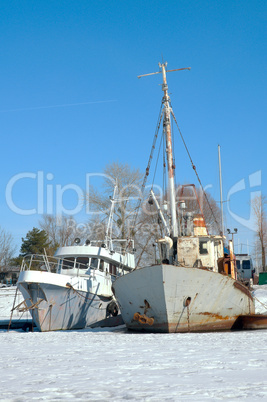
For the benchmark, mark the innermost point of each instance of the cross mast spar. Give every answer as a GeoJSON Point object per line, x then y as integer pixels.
{"type": "Point", "coordinates": [168, 138]}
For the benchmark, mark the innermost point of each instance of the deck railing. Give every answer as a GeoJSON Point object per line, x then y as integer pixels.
{"type": "Point", "coordinates": [40, 262]}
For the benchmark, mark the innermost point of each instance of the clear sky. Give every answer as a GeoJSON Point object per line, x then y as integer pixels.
{"type": "Point", "coordinates": [71, 102]}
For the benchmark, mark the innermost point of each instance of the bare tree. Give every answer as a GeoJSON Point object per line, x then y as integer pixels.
{"type": "Point", "coordinates": [197, 202]}
{"type": "Point", "coordinates": [128, 183]}
{"type": "Point", "coordinates": [259, 208]}
{"type": "Point", "coordinates": [61, 230]}
{"type": "Point", "coordinates": [95, 229]}
{"type": "Point", "coordinates": [7, 247]}
{"type": "Point", "coordinates": [125, 222]}
{"type": "Point", "coordinates": [147, 232]}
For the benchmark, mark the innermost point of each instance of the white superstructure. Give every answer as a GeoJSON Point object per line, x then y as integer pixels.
{"type": "Point", "coordinates": [73, 288]}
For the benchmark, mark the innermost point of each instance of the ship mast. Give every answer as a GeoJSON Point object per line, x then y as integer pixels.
{"type": "Point", "coordinates": [168, 137]}
{"type": "Point", "coordinates": [169, 152]}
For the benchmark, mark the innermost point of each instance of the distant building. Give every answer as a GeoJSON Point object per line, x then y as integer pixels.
{"type": "Point", "coordinates": [9, 275]}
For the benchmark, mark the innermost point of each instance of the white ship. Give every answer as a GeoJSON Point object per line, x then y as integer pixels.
{"type": "Point", "coordinates": [190, 289]}
{"type": "Point", "coordinates": [72, 290]}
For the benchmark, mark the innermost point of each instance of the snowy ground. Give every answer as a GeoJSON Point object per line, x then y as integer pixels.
{"type": "Point", "coordinates": [7, 295]}
{"type": "Point", "coordinates": [101, 365]}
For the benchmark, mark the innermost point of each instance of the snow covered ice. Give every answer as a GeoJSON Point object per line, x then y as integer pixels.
{"type": "Point", "coordinates": [101, 365]}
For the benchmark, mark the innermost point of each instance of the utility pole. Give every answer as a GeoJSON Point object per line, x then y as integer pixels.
{"type": "Point", "coordinates": [232, 233]}
{"type": "Point", "coordinates": [221, 195]}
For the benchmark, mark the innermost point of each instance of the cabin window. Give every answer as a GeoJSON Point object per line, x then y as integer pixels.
{"type": "Point", "coordinates": [112, 269]}
{"type": "Point", "coordinates": [203, 247]}
{"type": "Point", "coordinates": [82, 262]}
{"type": "Point", "coordinates": [94, 263]}
{"type": "Point", "coordinates": [246, 264]}
{"type": "Point", "coordinates": [68, 263]}
{"type": "Point", "coordinates": [101, 265]}
{"type": "Point", "coordinates": [237, 264]}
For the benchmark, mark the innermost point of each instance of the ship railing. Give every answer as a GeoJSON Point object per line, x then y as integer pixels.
{"type": "Point", "coordinates": [39, 262]}
{"type": "Point", "coordinates": [42, 262]}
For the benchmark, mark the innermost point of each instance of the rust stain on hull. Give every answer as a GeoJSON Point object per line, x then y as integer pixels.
{"type": "Point", "coordinates": [214, 315]}
{"type": "Point", "coordinates": [220, 325]}
{"type": "Point", "coordinates": [242, 322]}
{"type": "Point", "coordinates": [253, 321]}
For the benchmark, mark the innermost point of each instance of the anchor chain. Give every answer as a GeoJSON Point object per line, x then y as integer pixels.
{"type": "Point", "coordinates": [188, 321]}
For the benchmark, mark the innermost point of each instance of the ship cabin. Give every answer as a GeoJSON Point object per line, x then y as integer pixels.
{"type": "Point", "coordinates": [200, 251]}
{"type": "Point", "coordinates": [91, 257]}
{"type": "Point", "coordinates": [195, 247]}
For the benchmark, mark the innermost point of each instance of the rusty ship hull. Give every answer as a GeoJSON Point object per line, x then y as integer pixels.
{"type": "Point", "coordinates": [170, 299]}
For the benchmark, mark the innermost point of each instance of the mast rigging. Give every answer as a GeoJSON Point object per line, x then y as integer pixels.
{"type": "Point", "coordinates": [167, 112]}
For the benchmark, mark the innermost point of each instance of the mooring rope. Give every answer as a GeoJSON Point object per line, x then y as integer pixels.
{"type": "Point", "coordinates": [264, 305]}
{"type": "Point", "coordinates": [26, 308]}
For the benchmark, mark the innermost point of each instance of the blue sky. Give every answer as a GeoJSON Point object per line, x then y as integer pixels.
{"type": "Point", "coordinates": [71, 102]}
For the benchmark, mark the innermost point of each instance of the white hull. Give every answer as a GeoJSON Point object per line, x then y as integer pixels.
{"type": "Point", "coordinates": [62, 302]}
{"type": "Point", "coordinates": [160, 293]}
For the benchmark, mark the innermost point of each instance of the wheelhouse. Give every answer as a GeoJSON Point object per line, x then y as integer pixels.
{"type": "Point", "coordinates": [86, 265]}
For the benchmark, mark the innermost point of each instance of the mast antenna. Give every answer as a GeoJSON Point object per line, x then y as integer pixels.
{"type": "Point", "coordinates": [167, 71]}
